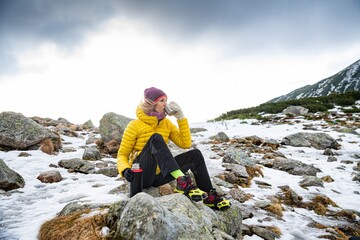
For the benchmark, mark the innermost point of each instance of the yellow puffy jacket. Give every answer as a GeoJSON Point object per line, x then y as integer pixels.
{"type": "Point", "coordinates": [138, 132]}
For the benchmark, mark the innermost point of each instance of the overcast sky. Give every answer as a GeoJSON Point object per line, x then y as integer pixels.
{"type": "Point", "coordinates": [80, 59]}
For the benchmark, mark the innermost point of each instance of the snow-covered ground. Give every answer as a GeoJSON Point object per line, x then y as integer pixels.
{"type": "Point", "coordinates": [22, 211]}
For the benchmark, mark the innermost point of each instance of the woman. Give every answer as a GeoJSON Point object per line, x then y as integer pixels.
{"type": "Point", "coordinates": [145, 141]}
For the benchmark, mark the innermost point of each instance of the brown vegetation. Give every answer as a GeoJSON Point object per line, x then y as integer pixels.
{"type": "Point", "coordinates": [72, 227]}
{"type": "Point", "coordinates": [275, 230]}
{"type": "Point", "coordinates": [254, 171]}
{"type": "Point", "coordinates": [327, 179]}
{"type": "Point", "coordinates": [319, 204]}
{"type": "Point", "coordinates": [291, 198]}
{"type": "Point", "coordinates": [275, 208]}
{"type": "Point", "coordinates": [50, 146]}
{"type": "Point", "coordinates": [165, 189]}
{"type": "Point", "coordinates": [108, 148]}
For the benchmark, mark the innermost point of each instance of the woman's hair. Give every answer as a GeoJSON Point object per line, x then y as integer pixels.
{"type": "Point", "coordinates": [147, 107]}
{"type": "Point", "coordinates": [151, 96]}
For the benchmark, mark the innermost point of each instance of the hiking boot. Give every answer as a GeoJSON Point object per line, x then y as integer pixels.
{"type": "Point", "coordinates": [185, 186]}
{"type": "Point", "coordinates": [213, 200]}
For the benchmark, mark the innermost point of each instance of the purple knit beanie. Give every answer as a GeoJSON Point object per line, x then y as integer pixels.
{"type": "Point", "coordinates": [152, 95]}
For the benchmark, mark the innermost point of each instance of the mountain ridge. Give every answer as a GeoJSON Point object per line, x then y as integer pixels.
{"type": "Point", "coordinates": [345, 80]}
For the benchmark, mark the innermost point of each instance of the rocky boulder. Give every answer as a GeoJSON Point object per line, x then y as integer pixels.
{"type": "Point", "coordinates": [112, 126]}
{"type": "Point", "coordinates": [20, 132]}
{"type": "Point", "coordinates": [319, 141]}
{"type": "Point", "coordinates": [294, 167]}
{"type": "Point", "coordinates": [77, 165]}
{"type": "Point", "coordinates": [172, 217]}
{"type": "Point", "coordinates": [295, 110]}
{"type": "Point", "coordinates": [9, 179]}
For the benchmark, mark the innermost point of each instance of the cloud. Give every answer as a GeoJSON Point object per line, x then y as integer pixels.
{"type": "Point", "coordinates": [255, 24]}
{"type": "Point", "coordinates": [236, 28]}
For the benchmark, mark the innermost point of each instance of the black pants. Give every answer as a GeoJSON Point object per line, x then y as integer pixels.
{"type": "Point", "coordinates": [156, 153]}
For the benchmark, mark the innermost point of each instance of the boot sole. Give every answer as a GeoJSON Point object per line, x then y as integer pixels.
{"type": "Point", "coordinates": [224, 204]}
{"type": "Point", "coordinates": [195, 195]}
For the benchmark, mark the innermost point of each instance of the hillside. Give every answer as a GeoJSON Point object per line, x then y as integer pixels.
{"type": "Point", "coordinates": [347, 101]}
{"type": "Point", "coordinates": [344, 81]}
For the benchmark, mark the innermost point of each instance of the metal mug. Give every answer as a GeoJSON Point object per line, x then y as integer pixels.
{"type": "Point", "coordinates": [169, 111]}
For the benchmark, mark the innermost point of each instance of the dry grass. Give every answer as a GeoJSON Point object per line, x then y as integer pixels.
{"type": "Point", "coordinates": [275, 230]}
{"type": "Point", "coordinates": [327, 179]}
{"type": "Point", "coordinates": [47, 146]}
{"type": "Point", "coordinates": [335, 234]}
{"type": "Point", "coordinates": [50, 146]}
{"type": "Point", "coordinates": [318, 225]}
{"type": "Point", "coordinates": [291, 198]}
{"type": "Point", "coordinates": [73, 227]}
{"type": "Point", "coordinates": [112, 147]}
{"type": "Point", "coordinates": [319, 209]}
{"type": "Point", "coordinates": [319, 204]}
{"type": "Point", "coordinates": [324, 200]}
{"type": "Point", "coordinates": [345, 214]}
{"type": "Point", "coordinates": [254, 171]}
{"type": "Point", "coordinates": [165, 189]}
{"type": "Point", "coordinates": [275, 208]}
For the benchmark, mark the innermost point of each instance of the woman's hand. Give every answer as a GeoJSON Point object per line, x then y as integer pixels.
{"type": "Point", "coordinates": [178, 112]}
{"type": "Point", "coordinates": [128, 174]}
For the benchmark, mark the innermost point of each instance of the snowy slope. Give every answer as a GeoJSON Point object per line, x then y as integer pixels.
{"type": "Point", "coordinates": [22, 211]}
{"type": "Point", "coordinates": [344, 81]}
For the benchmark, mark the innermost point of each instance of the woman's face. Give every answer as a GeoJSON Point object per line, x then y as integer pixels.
{"type": "Point", "coordinates": [160, 105]}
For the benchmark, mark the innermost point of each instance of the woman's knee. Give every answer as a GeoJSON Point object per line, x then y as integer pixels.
{"type": "Point", "coordinates": [196, 153]}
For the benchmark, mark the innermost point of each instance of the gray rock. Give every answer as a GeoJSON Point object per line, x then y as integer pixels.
{"type": "Point", "coordinates": [20, 132]}
{"type": "Point", "coordinates": [356, 176]}
{"type": "Point", "coordinates": [172, 217]}
{"type": "Point", "coordinates": [196, 130]}
{"type": "Point", "coordinates": [238, 170]}
{"type": "Point", "coordinates": [264, 233]}
{"type": "Point", "coordinates": [311, 181]}
{"type": "Point", "coordinates": [73, 207]}
{"type": "Point", "coordinates": [295, 110]}
{"type": "Point", "coordinates": [91, 154]}
{"type": "Point", "coordinates": [238, 157]}
{"type": "Point", "coordinates": [88, 125]}
{"type": "Point", "coordinates": [111, 171]}
{"type": "Point", "coordinates": [332, 159]}
{"type": "Point", "coordinates": [77, 165]}
{"type": "Point", "coordinates": [112, 126]}
{"type": "Point", "coordinates": [294, 167]}
{"type": "Point", "coordinates": [319, 141]}
{"type": "Point", "coordinates": [328, 152]}
{"type": "Point", "coordinates": [9, 179]}
{"type": "Point", "coordinates": [221, 137]}
{"type": "Point", "coordinates": [50, 176]}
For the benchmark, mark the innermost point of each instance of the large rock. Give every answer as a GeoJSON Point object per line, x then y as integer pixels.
{"type": "Point", "coordinates": [112, 126]}
{"type": "Point", "coordinates": [172, 217]}
{"type": "Point", "coordinates": [9, 179]}
{"type": "Point", "coordinates": [319, 141]}
{"type": "Point", "coordinates": [77, 165]}
{"type": "Point", "coordinates": [91, 154]}
{"type": "Point", "coordinates": [294, 167]}
{"type": "Point", "coordinates": [20, 132]}
{"type": "Point", "coordinates": [238, 157]}
{"type": "Point", "coordinates": [51, 176]}
{"type": "Point", "coordinates": [295, 110]}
